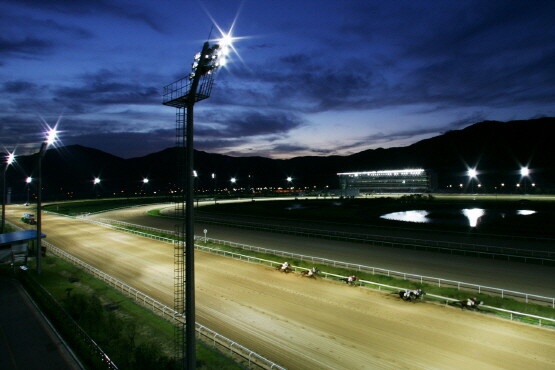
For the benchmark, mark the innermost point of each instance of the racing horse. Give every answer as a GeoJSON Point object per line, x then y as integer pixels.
{"type": "Point", "coordinates": [411, 295]}
{"type": "Point", "coordinates": [284, 267]}
{"type": "Point", "coordinates": [312, 273]}
{"type": "Point", "coordinates": [350, 280]}
{"type": "Point", "coordinates": [470, 304]}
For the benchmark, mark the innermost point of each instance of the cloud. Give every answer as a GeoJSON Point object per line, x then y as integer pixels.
{"type": "Point", "coordinates": [105, 88]}
{"type": "Point", "coordinates": [73, 31]}
{"type": "Point", "coordinates": [18, 87]}
{"type": "Point", "coordinates": [248, 123]}
{"type": "Point", "coordinates": [119, 9]}
{"type": "Point", "coordinates": [26, 47]}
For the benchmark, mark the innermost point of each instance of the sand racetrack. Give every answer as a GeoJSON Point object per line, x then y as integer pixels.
{"type": "Point", "coordinates": [310, 324]}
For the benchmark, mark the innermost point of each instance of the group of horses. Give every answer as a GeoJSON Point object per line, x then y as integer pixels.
{"type": "Point", "coordinates": [406, 295]}
{"type": "Point", "coordinates": [411, 295]}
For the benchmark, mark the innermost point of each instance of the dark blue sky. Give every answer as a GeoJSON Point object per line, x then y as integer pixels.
{"type": "Point", "coordinates": [311, 78]}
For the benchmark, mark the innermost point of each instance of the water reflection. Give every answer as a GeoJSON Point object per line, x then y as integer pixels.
{"type": "Point", "coordinates": [469, 216]}
{"type": "Point", "coordinates": [473, 215]}
{"type": "Point", "coordinates": [408, 216]}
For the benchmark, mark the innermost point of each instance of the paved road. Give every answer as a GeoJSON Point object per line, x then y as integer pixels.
{"type": "Point", "coordinates": [527, 278]}
{"type": "Point", "coordinates": [311, 324]}
{"type": "Point", "coordinates": [26, 340]}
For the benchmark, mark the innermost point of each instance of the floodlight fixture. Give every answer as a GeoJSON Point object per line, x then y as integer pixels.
{"type": "Point", "coordinates": [10, 159]}
{"type": "Point", "coordinates": [96, 180]}
{"type": "Point", "coordinates": [145, 180]}
{"type": "Point", "coordinates": [472, 173]}
{"type": "Point", "coordinates": [213, 175]}
{"type": "Point", "coordinates": [28, 180]}
{"type": "Point", "coordinates": [195, 174]}
{"type": "Point", "coordinates": [289, 179]}
{"type": "Point", "coordinates": [51, 135]}
{"type": "Point", "coordinates": [524, 171]}
{"type": "Point", "coordinates": [233, 180]}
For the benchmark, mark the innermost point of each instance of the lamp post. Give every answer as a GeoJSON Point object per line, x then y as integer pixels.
{"type": "Point", "coordinates": [144, 189]}
{"type": "Point", "coordinates": [251, 184]}
{"type": "Point", "coordinates": [472, 174]}
{"type": "Point", "coordinates": [524, 173]}
{"type": "Point", "coordinates": [28, 181]}
{"type": "Point", "coordinates": [214, 180]}
{"type": "Point", "coordinates": [183, 94]}
{"type": "Point", "coordinates": [51, 136]}
{"type": "Point", "coordinates": [195, 184]}
{"type": "Point", "coordinates": [9, 160]}
{"type": "Point", "coordinates": [95, 182]}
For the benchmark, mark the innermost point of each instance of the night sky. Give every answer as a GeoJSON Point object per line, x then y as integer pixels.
{"type": "Point", "coordinates": [310, 77]}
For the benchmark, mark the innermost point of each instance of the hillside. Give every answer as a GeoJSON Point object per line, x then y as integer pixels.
{"type": "Point", "coordinates": [497, 149]}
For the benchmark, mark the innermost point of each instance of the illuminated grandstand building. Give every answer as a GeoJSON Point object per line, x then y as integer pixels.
{"type": "Point", "coordinates": [386, 181]}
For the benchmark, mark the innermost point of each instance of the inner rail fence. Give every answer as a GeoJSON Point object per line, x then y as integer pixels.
{"type": "Point", "coordinates": [512, 315]}
{"type": "Point", "coordinates": [208, 336]}
{"type": "Point", "coordinates": [422, 279]}
{"type": "Point", "coordinates": [482, 250]}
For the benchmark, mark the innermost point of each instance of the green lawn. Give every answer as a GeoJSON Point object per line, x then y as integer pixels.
{"type": "Point", "coordinates": [132, 336]}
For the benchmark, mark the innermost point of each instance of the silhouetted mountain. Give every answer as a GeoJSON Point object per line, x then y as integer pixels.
{"type": "Point", "coordinates": [496, 149]}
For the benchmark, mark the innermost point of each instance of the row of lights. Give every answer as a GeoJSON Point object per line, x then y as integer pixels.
{"type": "Point", "coordinates": [473, 173]}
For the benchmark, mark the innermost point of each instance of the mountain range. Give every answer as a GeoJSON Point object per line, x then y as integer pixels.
{"type": "Point", "coordinates": [496, 149]}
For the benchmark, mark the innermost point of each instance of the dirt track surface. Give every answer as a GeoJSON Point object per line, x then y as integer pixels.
{"type": "Point", "coordinates": [516, 276]}
{"type": "Point", "coordinates": [311, 324]}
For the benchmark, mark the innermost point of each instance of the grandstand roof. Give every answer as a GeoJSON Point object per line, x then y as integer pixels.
{"type": "Point", "coordinates": [19, 236]}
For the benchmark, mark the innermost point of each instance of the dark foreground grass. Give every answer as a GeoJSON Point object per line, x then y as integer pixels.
{"type": "Point", "coordinates": [132, 336]}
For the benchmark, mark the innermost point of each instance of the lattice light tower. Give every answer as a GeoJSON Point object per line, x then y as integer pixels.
{"type": "Point", "coordinates": [183, 94]}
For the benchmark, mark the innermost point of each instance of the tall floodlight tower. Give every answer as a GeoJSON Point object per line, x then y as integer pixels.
{"type": "Point", "coordinates": [183, 94]}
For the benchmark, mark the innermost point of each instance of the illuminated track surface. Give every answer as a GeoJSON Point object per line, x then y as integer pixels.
{"type": "Point", "coordinates": [521, 277]}
{"type": "Point", "coordinates": [310, 324]}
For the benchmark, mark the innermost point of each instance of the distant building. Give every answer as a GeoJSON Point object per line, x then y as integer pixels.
{"type": "Point", "coordinates": [386, 181]}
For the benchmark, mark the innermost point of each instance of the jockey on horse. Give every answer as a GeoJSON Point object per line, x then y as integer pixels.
{"type": "Point", "coordinates": [409, 295]}
{"type": "Point", "coordinates": [312, 272]}
{"type": "Point", "coordinates": [285, 267]}
{"type": "Point", "coordinates": [471, 303]}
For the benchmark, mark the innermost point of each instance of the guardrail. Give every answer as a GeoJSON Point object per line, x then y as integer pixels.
{"type": "Point", "coordinates": [542, 321]}
{"type": "Point", "coordinates": [209, 336]}
{"type": "Point", "coordinates": [422, 279]}
{"type": "Point", "coordinates": [512, 254]}
{"type": "Point", "coordinates": [439, 282]}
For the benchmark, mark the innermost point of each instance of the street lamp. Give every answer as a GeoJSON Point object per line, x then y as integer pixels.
{"type": "Point", "coordinates": [214, 180]}
{"type": "Point", "coordinates": [524, 173]}
{"type": "Point", "coordinates": [472, 174]}
{"type": "Point", "coordinates": [51, 137]}
{"type": "Point", "coordinates": [28, 181]}
{"type": "Point", "coordinates": [96, 181]}
{"type": "Point", "coordinates": [9, 160]}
